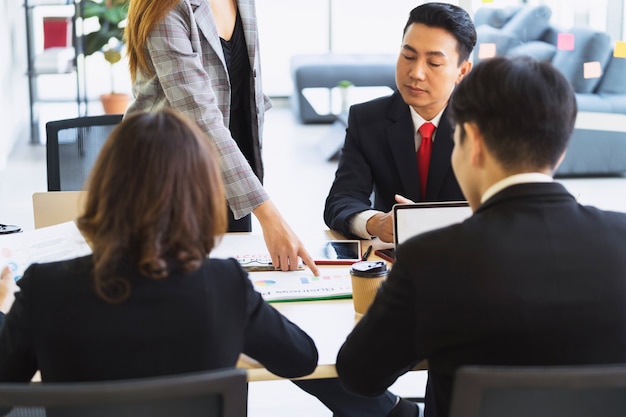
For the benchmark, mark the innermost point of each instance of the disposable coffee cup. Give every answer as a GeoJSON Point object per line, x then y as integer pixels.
{"type": "Point", "coordinates": [367, 277]}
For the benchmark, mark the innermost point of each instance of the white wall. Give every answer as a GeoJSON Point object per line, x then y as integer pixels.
{"type": "Point", "coordinates": [292, 27]}
{"type": "Point", "coordinates": [14, 105]}
{"type": "Point", "coordinates": [286, 28]}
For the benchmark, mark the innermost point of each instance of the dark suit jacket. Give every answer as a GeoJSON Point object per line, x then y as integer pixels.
{"type": "Point", "coordinates": [532, 278]}
{"type": "Point", "coordinates": [187, 322]}
{"type": "Point", "coordinates": [379, 155]}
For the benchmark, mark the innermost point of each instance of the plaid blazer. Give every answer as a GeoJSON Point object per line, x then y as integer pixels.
{"type": "Point", "coordinates": [191, 76]}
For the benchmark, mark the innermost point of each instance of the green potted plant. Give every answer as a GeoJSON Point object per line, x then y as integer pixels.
{"type": "Point", "coordinates": [108, 39]}
{"type": "Point", "coordinates": [344, 88]}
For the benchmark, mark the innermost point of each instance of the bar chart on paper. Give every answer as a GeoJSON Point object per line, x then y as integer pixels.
{"type": "Point", "coordinates": [275, 285]}
{"type": "Point", "coordinates": [303, 285]}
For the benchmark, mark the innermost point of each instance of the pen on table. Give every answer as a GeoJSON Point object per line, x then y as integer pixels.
{"type": "Point", "coordinates": [367, 253]}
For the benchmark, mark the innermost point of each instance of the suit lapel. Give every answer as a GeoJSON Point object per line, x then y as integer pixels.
{"type": "Point", "coordinates": [402, 142]}
{"type": "Point", "coordinates": [440, 163]}
{"type": "Point", "coordinates": [206, 25]}
{"type": "Point", "coordinates": [248, 18]}
{"type": "Point", "coordinates": [402, 139]}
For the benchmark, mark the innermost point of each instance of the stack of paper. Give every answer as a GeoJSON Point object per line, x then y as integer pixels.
{"type": "Point", "coordinates": [55, 243]}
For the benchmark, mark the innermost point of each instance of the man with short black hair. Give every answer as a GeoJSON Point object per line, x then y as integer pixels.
{"type": "Point", "coordinates": [531, 278]}
{"type": "Point", "coordinates": [399, 146]}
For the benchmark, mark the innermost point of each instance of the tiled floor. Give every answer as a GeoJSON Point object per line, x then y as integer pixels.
{"type": "Point", "coordinates": [298, 177]}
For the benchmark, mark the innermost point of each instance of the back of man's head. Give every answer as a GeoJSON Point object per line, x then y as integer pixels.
{"type": "Point", "coordinates": [450, 18]}
{"type": "Point", "coordinates": [525, 110]}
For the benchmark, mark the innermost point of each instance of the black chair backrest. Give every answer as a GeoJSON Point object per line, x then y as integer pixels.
{"type": "Point", "coordinates": [218, 393]}
{"type": "Point", "coordinates": [572, 391]}
{"type": "Point", "coordinates": [72, 146]}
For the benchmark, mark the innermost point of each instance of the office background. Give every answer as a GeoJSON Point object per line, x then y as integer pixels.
{"type": "Point", "coordinates": [286, 28]}
{"type": "Point", "coordinates": [298, 175]}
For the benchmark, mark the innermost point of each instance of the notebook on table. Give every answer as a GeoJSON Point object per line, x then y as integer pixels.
{"type": "Point", "coordinates": [415, 218]}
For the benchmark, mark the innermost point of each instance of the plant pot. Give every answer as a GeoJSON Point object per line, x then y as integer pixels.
{"type": "Point", "coordinates": [345, 98]}
{"type": "Point", "coordinates": [115, 103]}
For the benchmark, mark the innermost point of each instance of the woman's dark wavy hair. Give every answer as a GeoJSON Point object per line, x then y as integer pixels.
{"type": "Point", "coordinates": [155, 200]}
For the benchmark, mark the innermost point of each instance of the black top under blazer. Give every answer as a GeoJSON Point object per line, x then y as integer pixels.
{"type": "Point", "coordinates": [379, 155]}
{"type": "Point", "coordinates": [187, 322]}
{"type": "Point", "coordinates": [532, 278]}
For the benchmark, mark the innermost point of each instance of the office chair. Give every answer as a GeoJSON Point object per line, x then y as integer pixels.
{"type": "Point", "coordinates": [218, 393]}
{"type": "Point", "coordinates": [571, 391]}
{"type": "Point", "coordinates": [72, 146]}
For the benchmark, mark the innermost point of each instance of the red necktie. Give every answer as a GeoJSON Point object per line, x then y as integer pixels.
{"type": "Point", "coordinates": [423, 154]}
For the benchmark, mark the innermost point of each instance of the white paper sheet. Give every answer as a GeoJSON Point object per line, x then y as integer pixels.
{"type": "Point", "coordinates": [303, 285]}
{"type": "Point", "coordinates": [47, 244]}
{"type": "Point", "coordinates": [333, 282]}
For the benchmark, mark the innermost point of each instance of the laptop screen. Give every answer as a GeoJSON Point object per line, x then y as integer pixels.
{"type": "Point", "coordinates": [416, 218]}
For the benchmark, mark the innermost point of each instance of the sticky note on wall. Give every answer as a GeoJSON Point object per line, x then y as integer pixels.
{"type": "Point", "coordinates": [565, 41]}
{"type": "Point", "coordinates": [620, 49]}
{"type": "Point", "coordinates": [592, 70]}
{"type": "Point", "coordinates": [486, 50]}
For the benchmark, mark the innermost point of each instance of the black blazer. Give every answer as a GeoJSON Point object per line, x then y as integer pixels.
{"type": "Point", "coordinates": [532, 278]}
{"type": "Point", "coordinates": [185, 323]}
{"type": "Point", "coordinates": [379, 155]}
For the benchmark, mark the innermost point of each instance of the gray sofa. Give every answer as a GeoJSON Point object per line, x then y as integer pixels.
{"type": "Point", "coordinates": [597, 76]}
{"type": "Point", "coordinates": [326, 70]}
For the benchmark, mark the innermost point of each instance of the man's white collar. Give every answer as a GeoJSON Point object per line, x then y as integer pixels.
{"type": "Point", "coordinates": [526, 177]}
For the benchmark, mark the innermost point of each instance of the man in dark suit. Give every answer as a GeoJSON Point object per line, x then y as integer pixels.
{"type": "Point", "coordinates": [384, 139]}
{"type": "Point", "coordinates": [531, 278]}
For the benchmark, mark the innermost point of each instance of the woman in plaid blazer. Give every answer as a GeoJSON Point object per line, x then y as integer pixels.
{"type": "Point", "coordinates": [180, 56]}
{"type": "Point", "coordinates": [184, 54]}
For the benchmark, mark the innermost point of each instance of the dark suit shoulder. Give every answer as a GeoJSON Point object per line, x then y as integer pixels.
{"type": "Point", "coordinates": [228, 265]}
{"type": "Point", "coordinates": [378, 102]}
{"type": "Point", "coordinates": [51, 274]}
{"type": "Point", "coordinates": [391, 106]}
{"type": "Point", "coordinates": [225, 273]}
{"type": "Point", "coordinates": [73, 278]}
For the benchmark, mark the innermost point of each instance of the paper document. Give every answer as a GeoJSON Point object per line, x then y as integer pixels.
{"type": "Point", "coordinates": [333, 282]}
{"type": "Point", "coordinates": [47, 244]}
{"type": "Point", "coordinates": [303, 285]}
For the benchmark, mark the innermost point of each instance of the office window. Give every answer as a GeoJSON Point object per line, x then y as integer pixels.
{"type": "Point", "coordinates": [371, 26]}
{"type": "Point", "coordinates": [321, 26]}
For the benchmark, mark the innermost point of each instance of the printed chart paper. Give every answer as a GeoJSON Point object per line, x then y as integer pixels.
{"type": "Point", "coordinates": [333, 282]}
{"type": "Point", "coordinates": [303, 285]}
{"type": "Point", "coordinates": [47, 244]}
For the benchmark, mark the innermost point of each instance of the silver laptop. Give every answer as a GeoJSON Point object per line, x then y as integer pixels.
{"type": "Point", "coordinates": [413, 219]}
